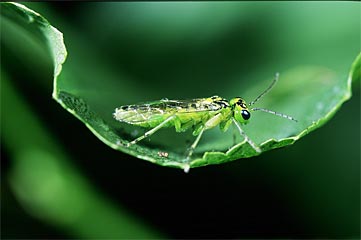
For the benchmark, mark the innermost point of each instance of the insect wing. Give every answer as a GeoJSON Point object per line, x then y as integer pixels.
{"type": "Point", "coordinates": [138, 113]}
{"type": "Point", "coordinates": [146, 111]}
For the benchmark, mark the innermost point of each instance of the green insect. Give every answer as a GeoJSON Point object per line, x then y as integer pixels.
{"type": "Point", "coordinates": [200, 114]}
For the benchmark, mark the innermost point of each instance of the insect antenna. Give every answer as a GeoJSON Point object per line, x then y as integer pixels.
{"type": "Point", "coordinates": [266, 110]}
{"type": "Point", "coordinates": [275, 113]}
{"type": "Point", "coordinates": [267, 90]}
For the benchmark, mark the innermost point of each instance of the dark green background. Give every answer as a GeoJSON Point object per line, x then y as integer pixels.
{"type": "Point", "coordinates": [179, 50]}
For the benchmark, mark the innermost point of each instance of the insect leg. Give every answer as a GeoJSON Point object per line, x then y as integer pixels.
{"type": "Point", "coordinates": [151, 131]}
{"type": "Point", "coordinates": [195, 143]}
{"type": "Point", "coordinates": [212, 122]}
{"type": "Point", "coordinates": [253, 145]}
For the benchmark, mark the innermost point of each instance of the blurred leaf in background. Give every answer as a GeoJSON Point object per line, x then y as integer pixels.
{"type": "Point", "coordinates": [57, 178]}
{"type": "Point", "coordinates": [41, 175]}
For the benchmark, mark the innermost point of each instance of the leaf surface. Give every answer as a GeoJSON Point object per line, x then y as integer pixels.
{"type": "Point", "coordinates": [311, 94]}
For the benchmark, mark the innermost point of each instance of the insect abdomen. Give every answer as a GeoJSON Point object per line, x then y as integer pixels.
{"type": "Point", "coordinates": [183, 120]}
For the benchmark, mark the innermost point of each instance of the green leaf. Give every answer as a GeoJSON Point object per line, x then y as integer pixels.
{"type": "Point", "coordinates": [311, 94]}
{"type": "Point", "coordinates": [17, 15]}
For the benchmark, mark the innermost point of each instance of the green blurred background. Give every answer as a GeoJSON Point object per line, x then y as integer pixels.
{"type": "Point", "coordinates": [59, 181]}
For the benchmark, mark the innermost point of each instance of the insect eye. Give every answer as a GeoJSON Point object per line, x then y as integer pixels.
{"type": "Point", "coordinates": [245, 114]}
